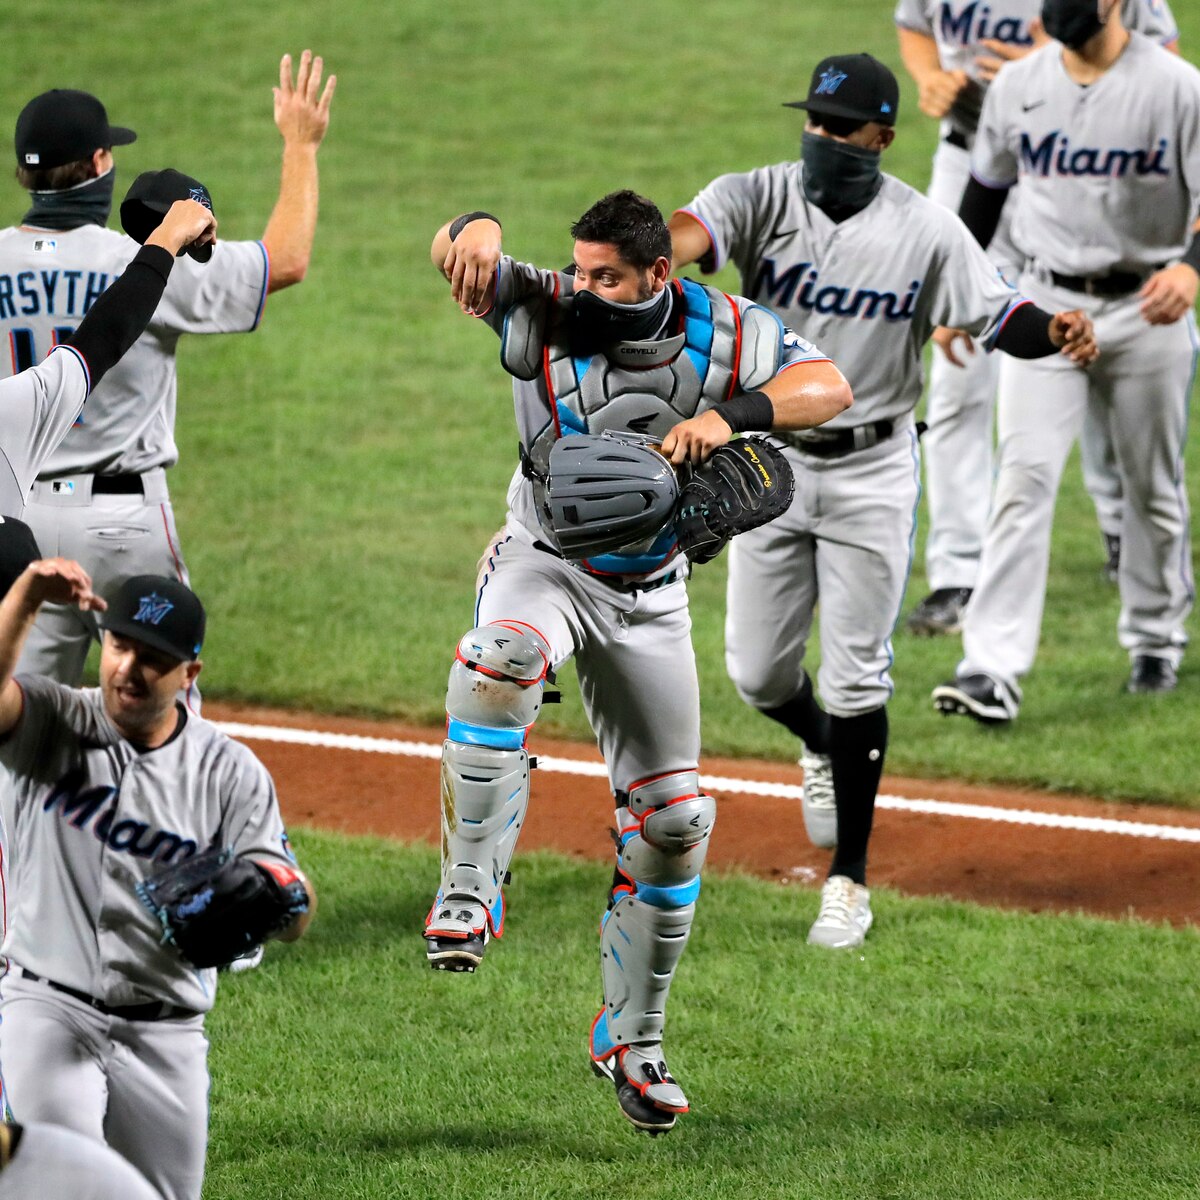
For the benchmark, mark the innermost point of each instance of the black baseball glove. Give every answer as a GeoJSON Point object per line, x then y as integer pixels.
{"type": "Point", "coordinates": [215, 907]}
{"type": "Point", "coordinates": [741, 486]}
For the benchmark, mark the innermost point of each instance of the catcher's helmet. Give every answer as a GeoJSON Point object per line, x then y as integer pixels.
{"type": "Point", "coordinates": [607, 492]}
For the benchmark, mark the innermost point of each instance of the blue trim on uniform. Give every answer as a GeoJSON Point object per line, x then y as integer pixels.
{"type": "Point", "coordinates": [262, 298]}
{"type": "Point", "coordinates": [1017, 302]}
{"type": "Point", "coordinates": [678, 896]}
{"type": "Point", "coordinates": [660, 550]}
{"type": "Point", "coordinates": [87, 375]}
{"type": "Point", "coordinates": [488, 572]}
{"type": "Point", "coordinates": [568, 421]}
{"type": "Point", "coordinates": [484, 735]}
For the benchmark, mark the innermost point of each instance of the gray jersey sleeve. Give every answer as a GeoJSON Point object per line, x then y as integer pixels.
{"type": "Point", "coordinates": [736, 210]}
{"type": "Point", "coordinates": [254, 824]}
{"type": "Point", "coordinates": [969, 292]}
{"type": "Point", "coordinates": [915, 15]}
{"type": "Point", "coordinates": [517, 282]}
{"type": "Point", "coordinates": [1152, 18]}
{"type": "Point", "coordinates": [37, 407]}
{"type": "Point", "coordinates": [46, 707]}
{"type": "Point", "coordinates": [225, 295]}
{"type": "Point", "coordinates": [994, 155]}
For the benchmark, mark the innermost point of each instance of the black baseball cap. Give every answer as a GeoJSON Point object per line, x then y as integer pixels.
{"type": "Point", "coordinates": [64, 126]}
{"type": "Point", "coordinates": [18, 548]}
{"type": "Point", "coordinates": [149, 197]}
{"type": "Point", "coordinates": [852, 85]}
{"type": "Point", "coordinates": [159, 611]}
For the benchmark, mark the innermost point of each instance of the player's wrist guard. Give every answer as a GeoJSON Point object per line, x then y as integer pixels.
{"type": "Point", "coordinates": [752, 411]}
{"type": "Point", "coordinates": [460, 223]}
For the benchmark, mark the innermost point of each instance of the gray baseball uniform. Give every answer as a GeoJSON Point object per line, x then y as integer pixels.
{"type": "Point", "coordinates": [871, 299]}
{"type": "Point", "coordinates": [53, 1163]}
{"type": "Point", "coordinates": [101, 496]}
{"type": "Point", "coordinates": [1110, 182]}
{"type": "Point", "coordinates": [958, 446]}
{"type": "Point", "coordinates": [102, 1025]}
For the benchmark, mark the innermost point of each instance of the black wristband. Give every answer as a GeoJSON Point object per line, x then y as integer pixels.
{"type": "Point", "coordinates": [751, 411]}
{"type": "Point", "coordinates": [1026, 333]}
{"type": "Point", "coordinates": [460, 223]}
{"type": "Point", "coordinates": [1191, 255]}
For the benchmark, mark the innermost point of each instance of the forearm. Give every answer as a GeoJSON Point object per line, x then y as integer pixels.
{"type": "Point", "coordinates": [918, 53]}
{"type": "Point", "coordinates": [18, 611]}
{"type": "Point", "coordinates": [981, 208]}
{"type": "Point", "coordinates": [292, 228]}
{"type": "Point", "coordinates": [296, 930]}
{"type": "Point", "coordinates": [807, 395]}
{"type": "Point", "coordinates": [690, 241]}
{"type": "Point", "coordinates": [119, 317]}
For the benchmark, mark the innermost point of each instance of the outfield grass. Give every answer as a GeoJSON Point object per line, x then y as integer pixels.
{"type": "Point", "coordinates": [964, 1053]}
{"type": "Point", "coordinates": [342, 468]}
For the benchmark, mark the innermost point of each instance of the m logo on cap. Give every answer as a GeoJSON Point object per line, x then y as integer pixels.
{"type": "Point", "coordinates": [201, 196]}
{"type": "Point", "coordinates": [831, 80]}
{"type": "Point", "coordinates": [152, 609]}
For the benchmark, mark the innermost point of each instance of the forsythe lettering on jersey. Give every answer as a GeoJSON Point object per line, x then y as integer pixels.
{"type": "Point", "coordinates": [974, 22]}
{"type": "Point", "coordinates": [798, 285]}
{"type": "Point", "coordinates": [51, 293]}
{"type": "Point", "coordinates": [79, 805]}
{"type": "Point", "coordinates": [1054, 155]}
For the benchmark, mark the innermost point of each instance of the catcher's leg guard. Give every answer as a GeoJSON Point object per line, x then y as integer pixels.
{"type": "Point", "coordinates": [494, 695]}
{"type": "Point", "coordinates": [663, 830]}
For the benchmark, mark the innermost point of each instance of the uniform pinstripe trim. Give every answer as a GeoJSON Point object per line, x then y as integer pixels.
{"type": "Point", "coordinates": [87, 374]}
{"type": "Point", "coordinates": [802, 362]}
{"type": "Point", "coordinates": [492, 556]}
{"type": "Point", "coordinates": [266, 284]}
{"type": "Point", "coordinates": [1019, 302]}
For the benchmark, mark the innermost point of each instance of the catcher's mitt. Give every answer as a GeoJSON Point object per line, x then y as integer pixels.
{"type": "Point", "coordinates": [215, 907]}
{"type": "Point", "coordinates": [741, 486]}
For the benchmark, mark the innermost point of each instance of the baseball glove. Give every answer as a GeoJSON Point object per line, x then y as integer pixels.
{"type": "Point", "coordinates": [741, 486]}
{"type": "Point", "coordinates": [215, 907]}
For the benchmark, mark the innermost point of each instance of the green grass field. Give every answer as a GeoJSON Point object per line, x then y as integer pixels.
{"type": "Point", "coordinates": [966, 1053]}
{"type": "Point", "coordinates": [342, 468]}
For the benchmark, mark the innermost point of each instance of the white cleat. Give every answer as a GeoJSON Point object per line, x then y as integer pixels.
{"type": "Point", "coordinates": [820, 806]}
{"type": "Point", "coordinates": [845, 915]}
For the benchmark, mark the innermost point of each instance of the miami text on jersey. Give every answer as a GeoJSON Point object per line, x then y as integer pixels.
{"type": "Point", "coordinates": [1053, 155]}
{"type": "Point", "coordinates": [55, 293]}
{"type": "Point", "coordinates": [778, 291]}
{"type": "Point", "coordinates": [78, 804]}
{"type": "Point", "coordinates": [974, 24]}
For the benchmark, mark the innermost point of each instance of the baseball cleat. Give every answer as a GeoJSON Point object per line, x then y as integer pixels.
{"type": "Point", "coordinates": [456, 934]}
{"type": "Point", "coordinates": [845, 915]}
{"type": "Point", "coordinates": [941, 612]}
{"type": "Point", "coordinates": [979, 696]}
{"type": "Point", "coordinates": [649, 1097]}
{"type": "Point", "coordinates": [820, 807]}
{"type": "Point", "coordinates": [1151, 673]}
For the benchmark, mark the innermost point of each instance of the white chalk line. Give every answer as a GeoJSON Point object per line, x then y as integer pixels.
{"type": "Point", "coordinates": [724, 783]}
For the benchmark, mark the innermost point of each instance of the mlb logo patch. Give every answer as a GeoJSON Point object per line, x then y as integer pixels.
{"type": "Point", "coordinates": [63, 487]}
{"type": "Point", "coordinates": [45, 245]}
{"type": "Point", "coordinates": [32, 160]}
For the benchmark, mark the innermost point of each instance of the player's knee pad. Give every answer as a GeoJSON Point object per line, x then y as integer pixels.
{"type": "Point", "coordinates": [494, 695]}
{"type": "Point", "coordinates": [664, 829]}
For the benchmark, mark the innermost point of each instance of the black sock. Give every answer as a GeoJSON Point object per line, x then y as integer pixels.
{"type": "Point", "coordinates": [857, 746]}
{"type": "Point", "coordinates": [804, 717]}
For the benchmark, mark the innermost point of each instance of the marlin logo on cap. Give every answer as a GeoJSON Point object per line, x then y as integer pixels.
{"type": "Point", "coordinates": [152, 609]}
{"type": "Point", "coordinates": [831, 80]}
{"type": "Point", "coordinates": [201, 195]}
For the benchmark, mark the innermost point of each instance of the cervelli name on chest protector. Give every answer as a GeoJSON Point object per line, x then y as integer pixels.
{"type": "Point", "coordinates": [494, 695]}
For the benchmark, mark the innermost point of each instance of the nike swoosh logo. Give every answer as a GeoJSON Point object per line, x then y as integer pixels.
{"type": "Point", "coordinates": [1031, 107]}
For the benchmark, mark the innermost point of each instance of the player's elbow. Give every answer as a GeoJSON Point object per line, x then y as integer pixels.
{"type": "Point", "coordinates": [286, 272]}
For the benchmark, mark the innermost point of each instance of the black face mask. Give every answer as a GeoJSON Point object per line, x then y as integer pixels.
{"type": "Point", "coordinates": [600, 322]}
{"type": "Point", "coordinates": [838, 177]}
{"type": "Point", "coordinates": [86, 203]}
{"type": "Point", "coordinates": [1072, 22]}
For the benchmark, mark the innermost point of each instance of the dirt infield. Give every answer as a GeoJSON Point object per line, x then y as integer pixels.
{"type": "Point", "coordinates": [1015, 865]}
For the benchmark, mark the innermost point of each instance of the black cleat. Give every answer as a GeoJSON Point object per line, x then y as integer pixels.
{"type": "Point", "coordinates": [1151, 673]}
{"type": "Point", "coordinates": [456, 934]}
{"type": "Point", "coordinates": [941, 612]}
{"type": "Point", "coordinates": [979, 696]}
{"type": "Point", "coordinates": [655, 1080]}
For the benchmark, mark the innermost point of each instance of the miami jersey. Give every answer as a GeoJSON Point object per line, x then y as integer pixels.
{"type": "Point", "coordinates": [88, 816]}
{"type": "Point", "coordinates": [961, 26]}
{"type": "Point", "coordinates": [49, 280]}
{"type": "Point", "coordinates": [1109, 173]}
{"type": "Point", "coordinates": [869, 290]}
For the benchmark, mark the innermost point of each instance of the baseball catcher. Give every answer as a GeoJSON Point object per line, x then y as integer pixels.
{"type": "Point", "coordinates": [214, 907]}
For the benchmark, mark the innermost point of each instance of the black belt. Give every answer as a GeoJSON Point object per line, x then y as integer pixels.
{"type": "Point", "coordinates": [1115, 283]}
{"type": "Point", "coordinates": [830, 443]}
{"type": "Point", "coordinates": [118, 485]}
{"type": "Point", "coordinates": [156, 1010]}
{"type": "Point", "coordinates": [633, 585]}
{"type": "Point", "coordinates": [958, 139]}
